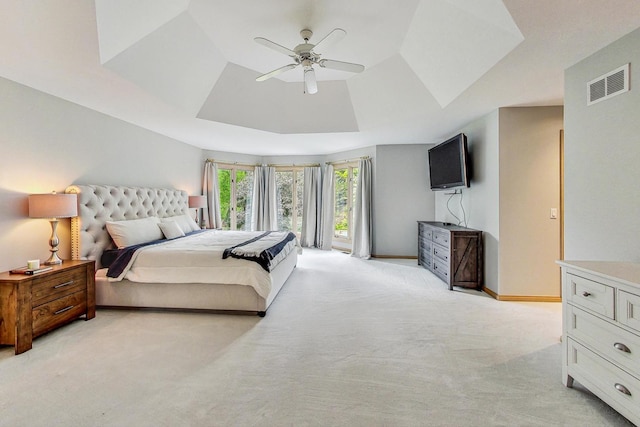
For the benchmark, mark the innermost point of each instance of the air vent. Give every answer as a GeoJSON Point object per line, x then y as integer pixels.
{"type": "Point", "coordinates": [609, 85]}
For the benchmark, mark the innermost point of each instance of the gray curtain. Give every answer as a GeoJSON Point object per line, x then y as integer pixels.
{"type": "Point", "coordinates": [311, 207]}
{"type": "Point", "coordinates": [362, 230]}
{"type": "Point", "coordinates": [212, 191]}
{"type": "Point", "coordinates": [264, 207]}
{"type": "Point", "coordinates": [328, 202]}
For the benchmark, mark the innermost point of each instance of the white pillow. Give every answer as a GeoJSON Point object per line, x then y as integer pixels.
{"type": "Point", "coordinates": [134, 231]}
{"type": "Point", "coordinates": [171, 229]}
{"type": "Point", "coordinates": [186, 223]}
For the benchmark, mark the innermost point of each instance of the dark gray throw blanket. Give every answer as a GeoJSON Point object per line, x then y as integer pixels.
{"type": "Point", "coordinates": [247, 250]}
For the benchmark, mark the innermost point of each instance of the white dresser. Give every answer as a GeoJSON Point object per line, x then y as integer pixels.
{"type": "Point", "coordinates": [601, 331]}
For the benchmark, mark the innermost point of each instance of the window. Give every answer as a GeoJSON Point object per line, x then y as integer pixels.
{"type": "Point", "coordinates": [236, 191]}
{"type": "Point", "coordinates": [290, 188]}
{"type": "Point", "coordinates": [346, 182]}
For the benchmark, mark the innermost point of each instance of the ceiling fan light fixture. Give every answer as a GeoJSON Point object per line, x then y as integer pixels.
{"type": "Point", "coordinates": [304, 55]}
{"type": "Point", "coordinates": [310, 83]}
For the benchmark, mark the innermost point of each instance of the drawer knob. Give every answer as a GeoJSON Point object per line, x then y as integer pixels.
{"type": "Point", "coordinates": [621, 347]}
{"type": "Point", "coordinates": [622, 389]}
{"type": "Point", "coordinates": [586, 294]}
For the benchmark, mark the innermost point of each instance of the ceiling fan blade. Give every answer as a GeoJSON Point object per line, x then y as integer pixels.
{"type": "Point", "coordinates": [342, 66]}
{"type": "Point", "coordinates": [275, 46]}
{"type": "Point", "coordinates": [333, 37]}
{"type": "Point", "coordinates": [275, 72]}
{"type": "Point", "coordinates": [310, 83]}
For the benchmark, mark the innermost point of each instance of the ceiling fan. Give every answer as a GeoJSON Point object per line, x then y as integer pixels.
{"type": "Point", "coordinates": [305, 55]}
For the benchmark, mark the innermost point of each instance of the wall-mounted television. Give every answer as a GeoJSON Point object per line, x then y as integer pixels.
{"type": "Point", "coordinates": [449, 164]}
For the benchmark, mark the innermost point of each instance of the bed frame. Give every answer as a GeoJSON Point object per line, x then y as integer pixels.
{"type": "Point", "coordinates": [89, 238]}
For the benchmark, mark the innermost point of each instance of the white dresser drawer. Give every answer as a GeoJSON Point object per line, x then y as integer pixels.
{"type": "Point", "coordinates": [614, 343]}
{"type": "Point", "coordinates": [591, 295]}
{"type": "Point", "coordinates": [629, 310]}
{"type": "Point", "coordinates": [616, 386]}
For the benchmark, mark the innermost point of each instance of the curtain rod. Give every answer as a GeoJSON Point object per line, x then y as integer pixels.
{"type": "Point", "coordinates": [300, 165]}
{"type": "Point", "coordinates": [348, 161]}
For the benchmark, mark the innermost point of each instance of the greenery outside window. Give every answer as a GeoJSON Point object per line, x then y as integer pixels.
{"type": "Point", "coordinates": [236, 192]}
{"type": "Point", "coordinates": [346, 182]}
{"type": "Point", "coordinates": [290, 190]}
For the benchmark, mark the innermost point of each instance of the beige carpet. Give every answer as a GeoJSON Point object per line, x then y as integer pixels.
{"type": "Point", "coordinates": [346, 343]}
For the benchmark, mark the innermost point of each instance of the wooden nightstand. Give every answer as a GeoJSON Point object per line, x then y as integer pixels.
{"type": "Point", "coordinates": [34, 305]}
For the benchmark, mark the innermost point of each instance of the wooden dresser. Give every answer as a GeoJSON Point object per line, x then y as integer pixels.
{"type": "Point", "coordinates": [601, 331]}
{"type": "Point", "coordinates": [33, 305]}
{"type": "Point", "coordinates": [452, 253]}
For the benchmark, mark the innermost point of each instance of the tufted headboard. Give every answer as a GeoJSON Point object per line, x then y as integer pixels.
{"type": "Point", "coordinates": [98, 204]}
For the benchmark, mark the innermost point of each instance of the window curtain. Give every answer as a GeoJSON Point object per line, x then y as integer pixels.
{"type": "Point", "coordinates": [211, 189]}
{"type": "Point", "coordinates": [264, 206]}
{"type": "Point", "coordinates": [326, 216]}
{"type": "Point", "coordinates": [311, 207]}
{"type": "Point", "coordinates": [362, 230]}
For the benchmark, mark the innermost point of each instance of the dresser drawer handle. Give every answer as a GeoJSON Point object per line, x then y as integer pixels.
{"type": "Point", "coordinates": [622, 389]}
{"type": "Point", "coordinates": [621, 347]}
{"type": "Point", "coordinates": [63, 310]}
{"type": "Point", "coordinates": [62, 285]}
{"type": "Point", "coordinates": [586, 294]}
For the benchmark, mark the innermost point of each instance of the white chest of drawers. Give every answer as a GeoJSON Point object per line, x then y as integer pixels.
{"type": "Point", "coordinates": [601, 331]}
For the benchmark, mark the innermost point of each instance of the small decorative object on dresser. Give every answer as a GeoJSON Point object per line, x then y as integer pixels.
{"type": "Point", "coordinates": [32, 305]}
{"type": "Point", "coordinates": [451, 252]}
{"type": "Point", "coordinates": [601, 331]}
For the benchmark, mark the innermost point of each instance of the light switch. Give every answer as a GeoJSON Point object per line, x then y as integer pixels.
{"type": "Point", "coordinates": [554, 213]}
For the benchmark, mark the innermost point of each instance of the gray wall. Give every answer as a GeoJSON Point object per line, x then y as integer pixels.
{"type": "Point", "coordinates": [481, 200]}
{"type": "Point", "coordinates": [402, 197]}
{"type": "Point", "coordinates": [602, 160]}
{"type": "Point", "coordinates": [48, 143]}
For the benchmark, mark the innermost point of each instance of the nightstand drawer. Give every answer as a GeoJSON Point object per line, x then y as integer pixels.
{"type": "Point", "coordinates": [591, 295]}
{"type": "Point", "coordinates": [55, 313]}
{"type": "Point", "coordinates": [54, 286]}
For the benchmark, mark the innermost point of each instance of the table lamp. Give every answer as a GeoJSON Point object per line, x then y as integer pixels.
{"type": "Point", "coordinates": [53, 206]}
{"type": "Point", "coordinates": [197, 202]}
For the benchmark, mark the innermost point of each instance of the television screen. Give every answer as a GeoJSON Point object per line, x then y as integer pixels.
{"type": "Point", "coordinates": [448, 164]}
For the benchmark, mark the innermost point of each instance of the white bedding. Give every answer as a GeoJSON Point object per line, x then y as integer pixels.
{"type": "Point", "coordinates": [198, 259]}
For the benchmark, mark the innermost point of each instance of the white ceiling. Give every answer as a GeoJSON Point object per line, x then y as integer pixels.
{"type": "Point", "coordinates": [187, 69]}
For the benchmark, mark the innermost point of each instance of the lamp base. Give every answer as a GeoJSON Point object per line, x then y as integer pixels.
{"type": "Point", "coordinates": [53, 259]}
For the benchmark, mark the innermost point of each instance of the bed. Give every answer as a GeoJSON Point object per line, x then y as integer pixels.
{"type": "Point", "coordinates": [100, 206]}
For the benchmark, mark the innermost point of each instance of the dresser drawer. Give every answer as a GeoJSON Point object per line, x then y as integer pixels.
{"type": "Point", "coordinates": [54, 286]}
{"type": "Point", "coordinates": [54, 313]}
{"type": "Point", "coordinates": [425, 261]}
{"type": "Point", "coordinates": [591, 295]}
{"type": "Point", "coordinates": [441, 270]}
{"type": "Point", "coordinates": [616, 386]}
{"type": "Point", "coordinates": [442, 254]}
{"type": "Point", "coordinates": [629, 310]}
{"type": "Point", "coordinates": [424, 231]}
{"type": "Point", "coordinates": [442, 238]}
{"type": "Point", "coordinates": [613, 342]}
{"type": "Point", "coordinates": [425, 244]}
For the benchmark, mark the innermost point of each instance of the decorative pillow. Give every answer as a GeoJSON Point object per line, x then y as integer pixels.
{"type": "Point", "coordinates": [134, 231]}
{"type": "Point", "coordinates": [171, 229]}
{"type": "Point", "coordinates": [186, 223]}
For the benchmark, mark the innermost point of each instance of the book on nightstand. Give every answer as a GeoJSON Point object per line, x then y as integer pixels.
{"type": "Point", "coordinates": [30, 271]}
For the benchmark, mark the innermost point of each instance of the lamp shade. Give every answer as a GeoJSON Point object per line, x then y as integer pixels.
{"type": "Point", "coordinates": [53, 205]}
{"type": "Point", "coordinates": [197, 201]}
